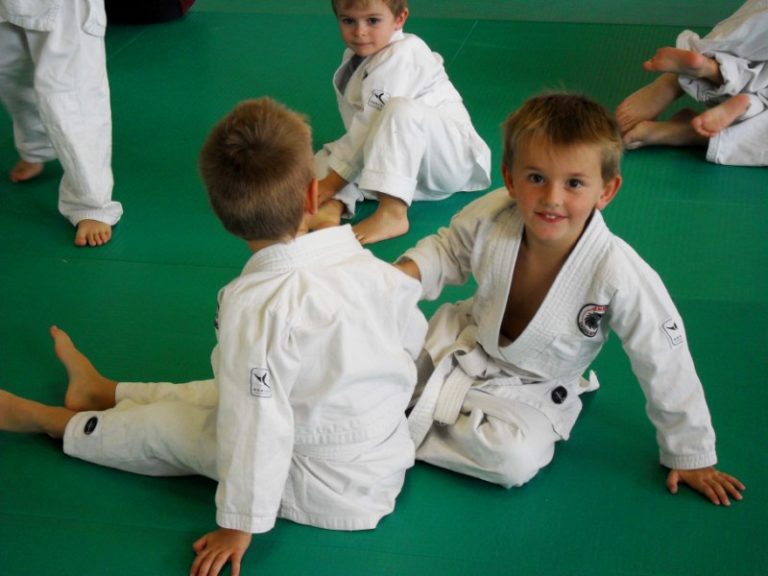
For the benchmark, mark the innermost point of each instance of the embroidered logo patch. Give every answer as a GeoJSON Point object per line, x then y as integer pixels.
{"type": "Point", "coordinates": [261, 383]}
{"type": "Point", "coordinates": [673, 331]}
{"type": "Point", "coordinates": [589, 318]}
{"type": "Point", "coordinates": [378, 99]}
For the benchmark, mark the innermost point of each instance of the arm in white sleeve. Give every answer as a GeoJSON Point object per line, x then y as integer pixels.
{"type": "Point", "coordinates": [653, 336]}
{"type": "Point", "coordinates": [445, 258]}
{"type": "Point", "coordinates": [255, 369]}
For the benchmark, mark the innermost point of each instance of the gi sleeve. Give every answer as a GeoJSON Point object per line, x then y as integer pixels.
{"type": "Point", "coordinates": [255, 367]}
{"type": "Point", "coordinates": [446, 258]}
{"type": "Point", "coordinates": [653, 336]}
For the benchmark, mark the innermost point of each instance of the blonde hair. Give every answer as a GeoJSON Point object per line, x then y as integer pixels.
{"type": "Point", "coordinates": [564, 120]}
{"type": "Point", "coordinates": [397, 7]}
{"type": "Point", "coordinates": [256, 165]}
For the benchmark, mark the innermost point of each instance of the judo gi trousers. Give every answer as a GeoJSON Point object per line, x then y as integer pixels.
{"type": "Point", "coordinates": [54, 85]}
{"type": "Point", "coordinates": [730, 42]}
{"type": "Point", "coordinates": [163, 429]}
{"type": "Point", "coordinates": [413, 152]}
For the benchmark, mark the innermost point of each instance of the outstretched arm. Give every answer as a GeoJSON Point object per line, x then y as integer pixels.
{"type": "Point", "coordinates": [217, 548]}
{"type": "Point", "coordinates": [409, 267]}
{"type": "Point", "coordinates": [712, 483]}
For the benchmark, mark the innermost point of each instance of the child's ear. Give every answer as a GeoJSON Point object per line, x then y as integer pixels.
{"type": "Point", "coordinates": [508, 181]}
{"type": "Point", "coordinates": [311, 202]}
{"type": "Point", "coordinates": [401, 18]}
{"type": "Point", "coordinates": [610, 189]}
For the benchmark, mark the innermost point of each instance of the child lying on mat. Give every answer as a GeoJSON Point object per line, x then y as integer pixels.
{"type": "Point", "coordinates": [313, 369]}
{"type": "Point", "coordinates": [727, 70]}
{"type": "Point", "coordinates": [505, 367]}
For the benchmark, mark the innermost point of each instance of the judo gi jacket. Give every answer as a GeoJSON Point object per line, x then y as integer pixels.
{"type": "Point", "coordinates": [408, 133]}
{"type": "Point", "coordinates": [305, 418]}
{"type": "Point", "coordinates": [603, 287]}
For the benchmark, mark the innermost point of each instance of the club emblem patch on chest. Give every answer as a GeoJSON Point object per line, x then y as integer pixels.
{"type": "Point", "coordinates": [589, 319]}
{"type": "Point", "coordinates": [261, 383]}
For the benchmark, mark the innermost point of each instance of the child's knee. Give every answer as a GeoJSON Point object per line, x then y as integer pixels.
{"type": "Point", "coordinates": [518, 464]}
{"type": "Point", "coordinates": [402, 110]}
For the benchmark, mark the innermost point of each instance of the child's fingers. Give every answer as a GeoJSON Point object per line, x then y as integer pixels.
{"type": "Point", "coordinates": [673, 478]}
{"type": "Point", "coordinates": [733, 480]}
{"type": "Point", "coordinates": [717, 494]}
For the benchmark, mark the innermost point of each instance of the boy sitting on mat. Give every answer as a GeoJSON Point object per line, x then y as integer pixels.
{"type": "Point", "coordinates": [727, 70]}
{"type": "Point", "coordinates": [505, 367]}
{"type": "Point", "coordinates": [408, 135]}
{"type": "Point", "coordinates": [313, 370]}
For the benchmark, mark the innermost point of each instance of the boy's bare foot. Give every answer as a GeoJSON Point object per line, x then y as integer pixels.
{"type": "Point", "coordinates": [87, 388]}
{"type": "Point", "coordinates": [327, 216]}
{"type": "Point", "coordinates": [710, 122]}
{"type": "Point", "coordinates": [684, 62]}
{"type": "Point", "coordinates": [21, 415]}
{"type": "Point", "coordinates": [24, 171]}
{"type": "Point", "coordinates": [388, 221]}
{"type": "Point", "coordinates": [92, 233]}
{"type": "Point", "coordinates": [648, 102]}
{"type": "Point", "coordinates": [677, 131]}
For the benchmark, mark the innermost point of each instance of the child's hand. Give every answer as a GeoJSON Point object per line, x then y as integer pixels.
{"type": "Point", "coordinates": [216, 548]}
{"type": "Point", "coordinates": [714, 484]}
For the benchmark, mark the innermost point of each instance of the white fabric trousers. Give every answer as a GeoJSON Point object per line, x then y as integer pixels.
{"type": "Point", "coordinates": [155, 429]}
{"type": "Point", "coordinates": [55, 87]}
{"type": "Point", "coordinates": [740, 48]}
{"type": "Point", "coordinates": [412, 152]}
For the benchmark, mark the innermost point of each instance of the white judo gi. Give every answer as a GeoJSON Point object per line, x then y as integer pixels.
{"type": "Point", "coordinates": [53, 82]}
{"type": "Point", "coordinates": [408, 133]}
{"type": "Point", "coordinates": [305, 419]}
{"type": "Point", "coordinates": [740, 46]}
{"type": "Point", "coordinates": [494, 409]}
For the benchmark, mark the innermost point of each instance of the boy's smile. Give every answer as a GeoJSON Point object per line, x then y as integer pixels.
{"type": "Point", "coordinates": [556, 189]}
{"type": "Point", "coordinates": [367, 30]}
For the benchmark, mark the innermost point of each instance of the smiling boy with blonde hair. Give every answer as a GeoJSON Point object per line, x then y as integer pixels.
{"type": "Point", "coordinates": [505, 367]}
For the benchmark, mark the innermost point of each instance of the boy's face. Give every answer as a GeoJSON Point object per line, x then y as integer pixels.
{"type": "Point", "coordinates": [556, 189]}
{"type": "Point", "coordinates": [367, 30]}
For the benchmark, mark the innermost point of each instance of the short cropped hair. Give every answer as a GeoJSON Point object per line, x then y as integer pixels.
{"type": "Point", "coordinates": [396, 6]}
{"type": "Point", "coordinates": [257, 164]}
{"type": "Point", "coordinates": [564, 120]}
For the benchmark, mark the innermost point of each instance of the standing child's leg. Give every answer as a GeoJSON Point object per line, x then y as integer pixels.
{"type": "Point", "coordinates": [17, 94]}
{"type": "Point", "coordinates": [24, 171]}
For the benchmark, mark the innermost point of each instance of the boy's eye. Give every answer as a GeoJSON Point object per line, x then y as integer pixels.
{"type": "Point", "coordinates": [373, 21]}
{"type": "Point", "coordinates": [575, 183]}
{"type": "Point", "coordinates": [347, 21]}
{"type": "Point", "coordinates": [535, 178]}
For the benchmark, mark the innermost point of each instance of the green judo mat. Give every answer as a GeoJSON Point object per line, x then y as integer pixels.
{"type": "Point", "coordinates": [142, 307]}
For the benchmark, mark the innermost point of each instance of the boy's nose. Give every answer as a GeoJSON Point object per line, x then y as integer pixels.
{"type": "Point", "coordinates": [552, 196]}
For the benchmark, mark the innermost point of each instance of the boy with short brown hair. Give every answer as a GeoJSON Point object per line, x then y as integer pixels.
{"type": "Point", "coordinates": [313, 367]}
{"type": "Point", "coordinates": [408, 135]}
